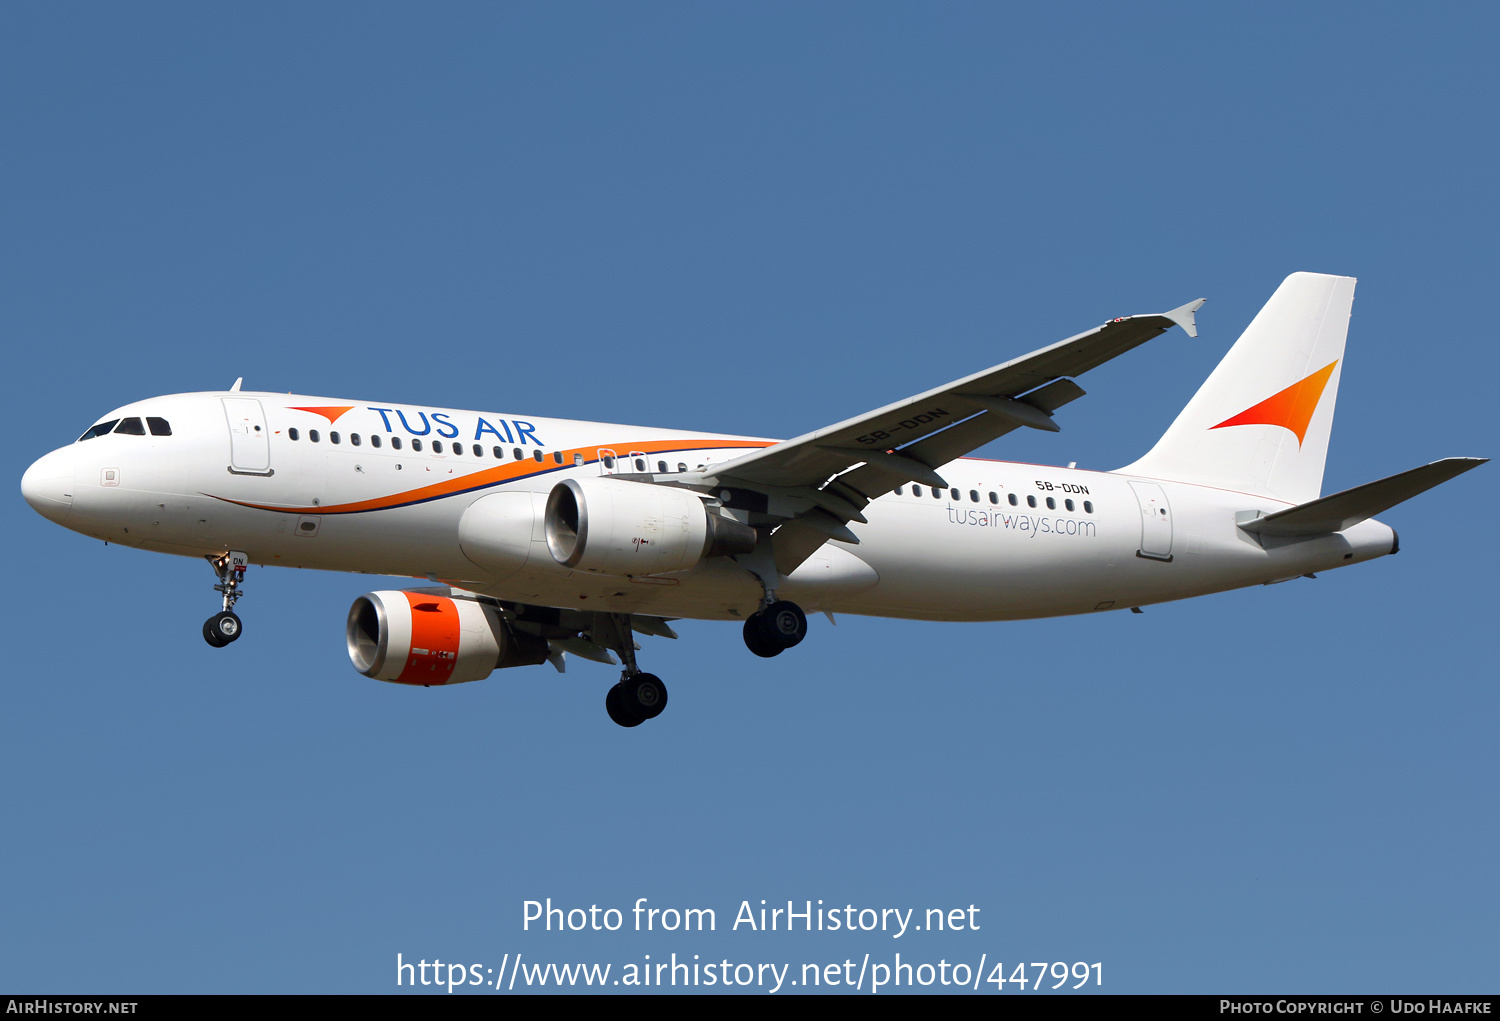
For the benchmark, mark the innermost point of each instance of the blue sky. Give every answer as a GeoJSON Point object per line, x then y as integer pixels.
{"type": "Point", "coordinates": [757, 219]}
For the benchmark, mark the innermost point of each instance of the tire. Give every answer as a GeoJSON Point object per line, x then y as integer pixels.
{"type": "Point", "coordinates": [643, 695]}
{"type": "Point", "coordinates": [211, 636]}
{"type": "Point", "coordinates": [784, 623]}
{"type": "Point", "coordinates": [614, 704]}
{"type": "Point", "coordinates": [756, 641]}
{"type": "Point", "coordinates": [226, 627]}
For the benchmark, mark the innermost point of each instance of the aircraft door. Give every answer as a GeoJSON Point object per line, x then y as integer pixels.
{"type": "Point", "coordinates": [1156, 521]}
{"type": "Point", "coordinates": [249, 440]}
{"type": "Point", "coordinates": [609, 463]}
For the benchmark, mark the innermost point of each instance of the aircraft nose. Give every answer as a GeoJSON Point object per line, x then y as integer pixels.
{"type": "Point", "coordinates": [48, 485]}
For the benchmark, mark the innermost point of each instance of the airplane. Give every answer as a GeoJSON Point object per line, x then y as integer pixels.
{"type": "Point", "coordinates": [543, 538]}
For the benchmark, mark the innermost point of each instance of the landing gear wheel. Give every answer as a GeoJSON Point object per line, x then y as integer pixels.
{"type": "Point", "coordinates": [784, 623]}
{"type": "Point", "coordinates": [756, 641]}
{"type": "Point", "coordinates": [643, 695]}
{"type": "Point", "coordinates": [221, 629]}
{"type": "Point", "coordinates": [614, 704]}
{"type": "Point", "coordinates": [776, 628]}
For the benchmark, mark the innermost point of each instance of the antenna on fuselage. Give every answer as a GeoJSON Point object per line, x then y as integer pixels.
{"type": "Point", "coordinates": [236, 388]}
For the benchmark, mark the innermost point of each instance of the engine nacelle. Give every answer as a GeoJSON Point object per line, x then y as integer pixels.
{"type": "Point", "coordinates": [612, 526]}
{"type": "Point", "coordinates": [416, 637]}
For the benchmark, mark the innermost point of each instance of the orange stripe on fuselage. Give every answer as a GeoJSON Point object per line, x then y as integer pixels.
{"type": "Point", "coordinates": [435, 635]}
{"type": "Point", "coordinates": [507, 472]}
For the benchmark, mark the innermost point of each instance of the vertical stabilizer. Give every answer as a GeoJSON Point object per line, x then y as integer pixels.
{"type": "Point", "coordinates": [1262, 421]}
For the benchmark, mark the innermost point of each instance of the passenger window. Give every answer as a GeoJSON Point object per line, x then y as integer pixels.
{"type": "Point", "coordinates": [159, 427]}
{"type": "Point", "coordinates": [375, 440]}
{"type": "Point", "coordinates": [395, 443]}
{"type": "Point", "coordinates": [416, 445]}
{"type": "Point", "coordinates": [354, 439]}
{"type": "Point", "coordinates": [916, 490]}
{"type": "Point", "coordinates": [640, 464]}
{"type": "Point", "coordinates": [1013, 500]}
{"type": "Point", "coordinates": [131, 427]}
{"type": "Point", "coordinates": [557, 456]}
{"type": "Point", "coordinates": [1031, 501]}
{"type": "Point", "coordinates": [954, 494]}
{"type": "Point", "coordinates": [609, 462]}
{"type": "Point", "coordinates": [100, 429]}
{"type": "Point", "coordinates": [517, 452]}
{"type": "Point", "coordinates": [478, 450]}
{"type": "Point", "coordinates": [1068, 504]}
{"type": "Point", "coordinates": [293, 434]}
{"type": "Point", "coordinates": [1051, 503]}
{"type": "Point", "coordinates": [661, 466]}
{"type": "Point", "coordinates": [312, 434]}
{"type": "Point", "coordinates": [536, 455]}
{"type": "Point", "coordinates": [994, 497]}
{"type": "Point", "coordinates": [681, 467]}
{"type": "Point", "coordinates": [437, 446]}
{"type": "Point", "coordinates": [898, 490]}
{"type": "Point", "coordinates": [937, 494]}
{"type": "Point", "coordinates": [974, 495]}
{"type": "Point", "coordinates": [333, 437]}
{"type": "Point", "coordinates": [1088, 507]}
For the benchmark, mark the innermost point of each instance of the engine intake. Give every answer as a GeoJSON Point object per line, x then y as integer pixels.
{"type": "Point", "coordinates": [426, 638]}
{"type": "Point", "coordinates": [615, 527]}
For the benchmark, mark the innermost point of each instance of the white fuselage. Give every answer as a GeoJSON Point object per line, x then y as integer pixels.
{"type": "Point", "coordinates": [1016, 541]}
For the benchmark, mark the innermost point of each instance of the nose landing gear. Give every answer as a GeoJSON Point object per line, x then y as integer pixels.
{"type": "Point", "coordinates": [224, 627]}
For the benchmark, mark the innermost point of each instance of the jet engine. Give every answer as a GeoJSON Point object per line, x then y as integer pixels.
{"type": "Point", "coordinates": [416, 637]}
{"type": "Point", "coordinates": [617, 527]}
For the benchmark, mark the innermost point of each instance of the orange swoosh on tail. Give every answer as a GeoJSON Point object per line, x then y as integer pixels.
{"type": "Point", "coordinates": [1291, 409]}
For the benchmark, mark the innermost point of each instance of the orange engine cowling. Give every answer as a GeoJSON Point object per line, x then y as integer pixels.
{"type": "Point", "coordinates": [424, 638]}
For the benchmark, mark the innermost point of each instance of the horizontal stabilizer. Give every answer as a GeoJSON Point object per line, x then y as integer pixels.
{"type": "Point", "coordinates": [1341, 510]}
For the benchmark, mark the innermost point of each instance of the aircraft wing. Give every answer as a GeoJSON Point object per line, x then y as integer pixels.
{"type": "Point", "coordinates": [889, 441]}
{"type": "Point", "coordinates": [829, 475]}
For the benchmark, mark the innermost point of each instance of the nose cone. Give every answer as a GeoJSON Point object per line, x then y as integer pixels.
{"type": "Point", "coordinates": [48, 485]}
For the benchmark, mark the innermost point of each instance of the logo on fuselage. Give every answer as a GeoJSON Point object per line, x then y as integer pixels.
{"type": "Point", "coordinates": [440, 423]}
{"type": "Point", "coordinates": [332, 414]}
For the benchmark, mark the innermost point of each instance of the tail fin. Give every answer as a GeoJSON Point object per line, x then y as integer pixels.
{"type": "Point", "coordinates": [1261, 422]}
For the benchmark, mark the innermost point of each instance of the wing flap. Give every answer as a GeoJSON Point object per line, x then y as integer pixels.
{"type": "Point", "coordinates": [872, 480]}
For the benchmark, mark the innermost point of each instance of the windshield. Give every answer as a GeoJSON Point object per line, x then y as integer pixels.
{"type": "Point", "coordinates": [98, 430]}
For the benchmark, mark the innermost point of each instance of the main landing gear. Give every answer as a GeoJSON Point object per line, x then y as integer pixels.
{"type": "Point", "coordinates": [224, 627]}
{"type": "Point", "coordinates": [639, 696]}
{"type": "Point", "coordinates": [776, 628]}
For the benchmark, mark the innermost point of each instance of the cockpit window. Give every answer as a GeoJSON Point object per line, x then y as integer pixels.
{"type": "Point", "coordinates": [131, 427]}
{"type": "Point", "coordinates": [99, 430]}
{"type": "Point", "coordinates": [159, 427]}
